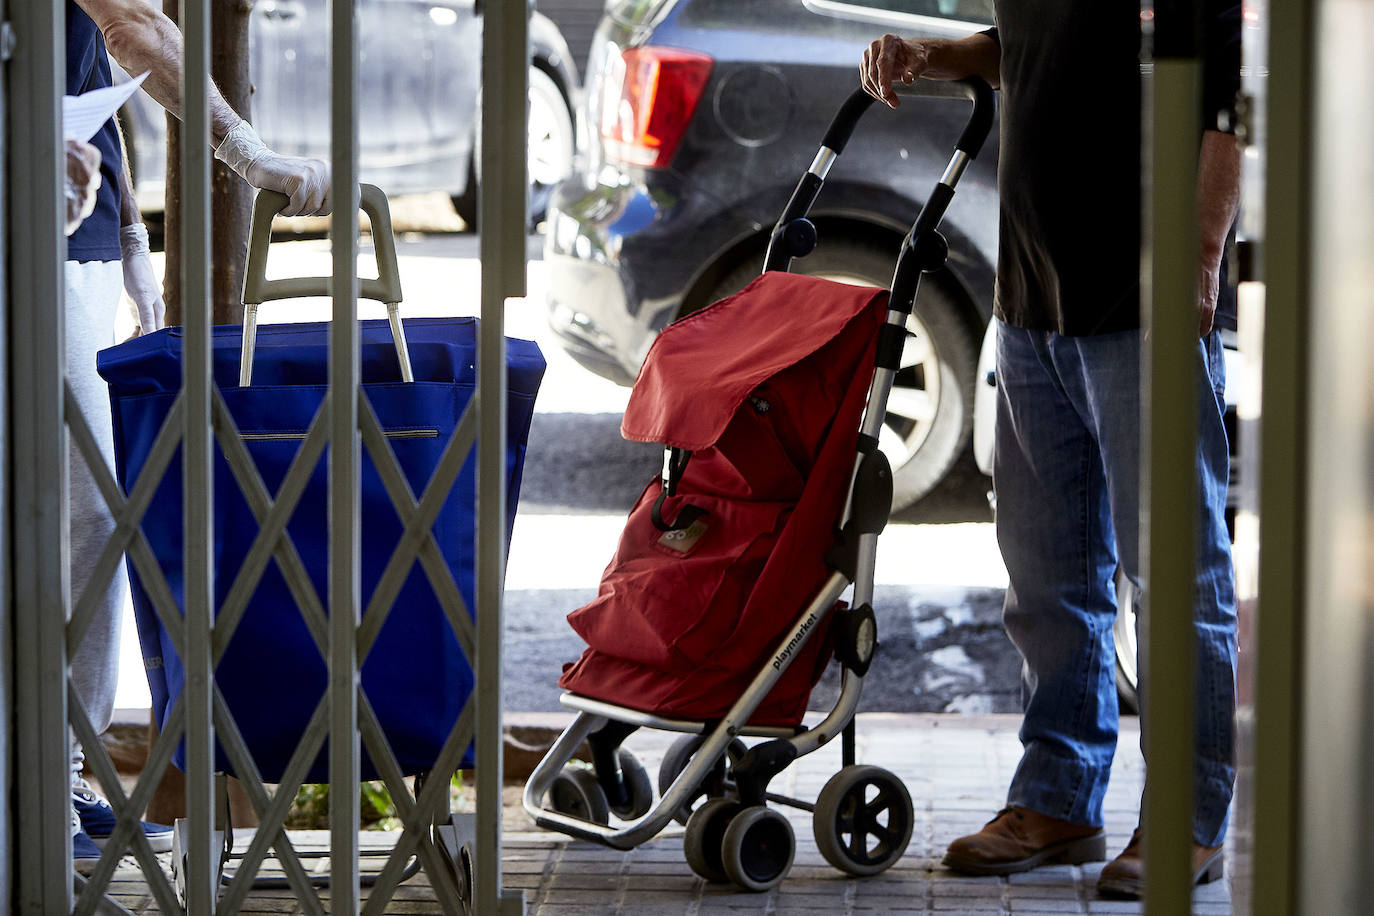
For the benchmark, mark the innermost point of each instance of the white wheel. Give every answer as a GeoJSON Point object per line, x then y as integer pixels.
{"type": "Point", "coordinates": [863, 820]}
{"type": "Point", "coordinates": [701, 844]}
{"type": "Point", "coordinates": [638, 789]}
{"type": "Point", "coordinates": [758, 848]}
{"type": "Point", "coordinates": [675, 761]}
{"type": "Point", "coordinates": [576, 793]}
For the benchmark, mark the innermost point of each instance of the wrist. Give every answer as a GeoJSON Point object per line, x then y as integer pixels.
{"type": "Point", "coordinates": [133, 240]}
{"type": "Point", "coordinates": [240, 148]}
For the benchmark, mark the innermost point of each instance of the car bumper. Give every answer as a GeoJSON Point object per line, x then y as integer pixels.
{"type": "Point", "coordinates": [617, 271]}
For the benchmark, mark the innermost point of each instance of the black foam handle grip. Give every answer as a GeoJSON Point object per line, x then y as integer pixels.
{"type": "Point", "coordinates": [972, 89]}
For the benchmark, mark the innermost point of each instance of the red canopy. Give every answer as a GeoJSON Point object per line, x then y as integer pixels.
{"type": "Point", "coordinates": [700, 369]}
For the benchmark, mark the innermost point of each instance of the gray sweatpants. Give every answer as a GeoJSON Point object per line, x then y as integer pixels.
{"type": "Point", "coordinates": [92, 301]}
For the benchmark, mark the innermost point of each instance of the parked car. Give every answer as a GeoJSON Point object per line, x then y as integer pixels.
{"type": "Point", "coordinates": [420, 74]}
{"type": "Point", "coordinates": [702, 115]}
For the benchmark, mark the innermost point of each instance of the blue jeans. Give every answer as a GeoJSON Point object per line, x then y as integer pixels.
{"type": "Point", "coordinates": [1066, 469]}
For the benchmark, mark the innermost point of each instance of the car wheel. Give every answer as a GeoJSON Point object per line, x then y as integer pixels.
{"type": "Point", "coordinates": [930, 410]}
{"type": "Point", "coordinates": [552, 146]}
{"type": "Point", "coordinates": [1127, 646]}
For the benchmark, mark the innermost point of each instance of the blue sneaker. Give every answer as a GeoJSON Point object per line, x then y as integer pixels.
{"type": "Point", "coordinates": [85, 854]}
{"type": "Point", "coordinates": [98, 820]}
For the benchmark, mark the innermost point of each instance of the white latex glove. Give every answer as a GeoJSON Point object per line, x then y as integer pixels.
{"type": "Point", "coordinates": [305, 181]}
{"type": "Point", "coordinates": [81, 183]}
{"type": "Point", "coordinates": [140, 282]}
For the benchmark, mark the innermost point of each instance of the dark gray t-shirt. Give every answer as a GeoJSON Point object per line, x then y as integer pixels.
{"type": "Point", "coordinates": [1069, 166]}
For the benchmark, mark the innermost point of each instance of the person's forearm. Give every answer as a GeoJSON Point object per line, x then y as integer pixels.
{"type": "Point", "coordinates": [141, 39]}
{"type": "Point", "coordinates": [1218, 192]}
{"type": "Point", "coordinates": [976, 55]}
{"type": "Point", "coordinates": [128, 205]}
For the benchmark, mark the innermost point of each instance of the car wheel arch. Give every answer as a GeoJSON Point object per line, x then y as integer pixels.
{"type": "Point", "coordinates": [954, 280]}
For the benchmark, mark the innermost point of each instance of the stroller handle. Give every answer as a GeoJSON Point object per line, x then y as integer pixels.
{"type": "Point", "coordinates": [973, 89]}
{"type": "Point", "coordinates": [794, 235]}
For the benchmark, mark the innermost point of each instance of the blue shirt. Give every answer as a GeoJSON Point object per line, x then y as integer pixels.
{"type": "Point", "coordinates": [88, 67]}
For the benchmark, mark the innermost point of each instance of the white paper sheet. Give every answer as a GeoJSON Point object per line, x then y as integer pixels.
{"type": "Point", "coordinates": [83, 115]}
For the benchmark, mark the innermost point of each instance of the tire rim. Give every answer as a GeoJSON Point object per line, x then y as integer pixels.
{"type": "Point", "coordinates": [550, 136]}
{"type": "Point", "coordinates": [1124, 632]}
{"type": "Point", "coordinates": [915, 398]}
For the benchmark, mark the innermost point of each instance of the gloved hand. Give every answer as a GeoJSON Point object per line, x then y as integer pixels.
{"type": "Point", "coordinates": [305, 181]}
{"type": "Point", "coordinates": [140, 282]}
{"type": "Point", "coordinates": [82, 181]}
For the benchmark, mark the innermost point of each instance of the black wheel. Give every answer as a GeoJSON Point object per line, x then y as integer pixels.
{"type": "Point", "coordinates": [576, 793]}
{"type": "Point", "coordinates": [757, 849]}
{"type": "Point", "coordinates": [638, 789]}
{"type": "Point", "coordinates": [1127, 645]}
{"type": "Point", "coordinates": [675, 761]}
{"type": "Point", "coordinates": [552, 146]}
{"type": "Point", "coordinates": [930, 411]}
{"type": "Point", "coordinates": [460, 870]}
{"type": "Point", "coordinates": [863, 820]}
{"type": "Point", "coordinates": [701, 844]}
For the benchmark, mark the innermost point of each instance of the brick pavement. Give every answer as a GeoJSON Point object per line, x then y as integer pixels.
{"type": "Point", "coordinates": [956, 768]}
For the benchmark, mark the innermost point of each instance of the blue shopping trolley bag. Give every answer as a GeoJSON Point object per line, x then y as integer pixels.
{"type": "Point", "coordinates": [272, 674]}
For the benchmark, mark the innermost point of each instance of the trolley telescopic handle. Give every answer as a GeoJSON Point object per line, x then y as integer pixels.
{"type": "Point", "coordinates": [795, 236]}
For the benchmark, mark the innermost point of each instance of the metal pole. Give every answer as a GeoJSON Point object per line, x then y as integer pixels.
{"type": "Point", "coordinates": [1169, 387]}
{"type": "Point", "coordinates": [345, 770]}
{"type": "Point", "coordinates": [1276, 798]}
{"type": "Point", "coordinates": [503, 206]}
{"type": "Point", "coordinates": [202, 874]}
{"type": "Point", "coordinates": [7, 654]}
{"type": "Point", "coordinates": [36, 252]}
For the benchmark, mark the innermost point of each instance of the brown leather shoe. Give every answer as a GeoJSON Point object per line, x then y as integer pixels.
{"type": "Point", "coordinates": [1019, 839]}
{"type": "Point", "coordinates": [1124, 876]}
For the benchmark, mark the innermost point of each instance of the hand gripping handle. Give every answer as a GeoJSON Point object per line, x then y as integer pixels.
{"type": "Point", "coordinates": [257, 289]}
{"type": "Point", "coordinates": [973, 89]}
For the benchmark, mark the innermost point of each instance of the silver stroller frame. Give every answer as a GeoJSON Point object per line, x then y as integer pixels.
{"type": "Point", "coordinates": [734, 836]}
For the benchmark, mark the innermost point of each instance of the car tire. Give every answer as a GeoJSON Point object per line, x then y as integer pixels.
{"type": "Point", "coordinates": [921, 449]}
{"type": "Point", "coordinates": [552, 146]}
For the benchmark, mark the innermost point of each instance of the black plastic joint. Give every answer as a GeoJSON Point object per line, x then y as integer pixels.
{"type": "Point", "coordinates": [932, 251]}
{"type": "Point", "coordinates": [891, 340]}
{"type": "Point", "coordinates": [872, 502]}
{"type": "Point", "coordinates": [758, 766]}
{"type": "Point", "coordinates": [843, 555]}
{"type": "Point", "coordinates": [867, 444]}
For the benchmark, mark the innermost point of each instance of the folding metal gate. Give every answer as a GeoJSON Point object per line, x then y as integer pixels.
{"type": "Point", "coordinates": [50, 623]}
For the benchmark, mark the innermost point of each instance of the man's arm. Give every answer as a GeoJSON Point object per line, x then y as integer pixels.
{"type": "Point", "coordinates": [141, 39]}
{"type": "Point", "coordinates": [135, 254]}
{"type": "Point", "coordinates": [892, 58]}
{"type": "Point", "coordinates": [1218, 200]}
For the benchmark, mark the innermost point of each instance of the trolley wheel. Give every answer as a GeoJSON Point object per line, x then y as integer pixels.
{"type": "Point", "coordinates": [462, 874]}
{"type": "Point", "coordinates": [863, 820]}
{"type": "Point", "coordinates": [757, 848]}
{"type": "Point", "coordinates": [701, 844]}
{"type": "Point", "coordinates": [675, 761]}
{"type": "Point", "coordinates": [576, 793]}
{"type": "Point", "coordinates": [638, 788]}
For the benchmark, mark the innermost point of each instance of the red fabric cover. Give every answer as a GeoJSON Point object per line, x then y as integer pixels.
{"type": "Point", "coordinates": [701, 368]}
{"type": "Point", "coordinates": [681, 634]}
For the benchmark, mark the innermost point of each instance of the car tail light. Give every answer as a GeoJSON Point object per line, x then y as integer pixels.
{"type": "Point", "coordinates": [647, 105]}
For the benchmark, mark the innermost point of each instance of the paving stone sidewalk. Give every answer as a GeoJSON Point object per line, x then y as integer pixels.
{"type": "Point", "coordinates": [957, 769]}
